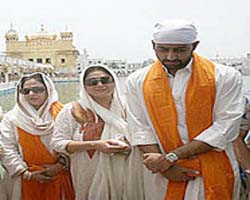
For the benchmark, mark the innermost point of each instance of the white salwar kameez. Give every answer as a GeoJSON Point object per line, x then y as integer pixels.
{"type": "Point", "coordinates": [104, 176]}
{"type": "Point", "coordinates": [227, 112]}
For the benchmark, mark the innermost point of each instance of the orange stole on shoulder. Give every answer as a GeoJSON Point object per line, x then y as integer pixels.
{"type": "Point", "coordinates": [36, 155]}
{"type": "Point", "coordinates": [91, 130]}
{"type": "Point", "coordinates": [214, 166]}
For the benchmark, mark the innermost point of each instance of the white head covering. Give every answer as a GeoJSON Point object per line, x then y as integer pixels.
{"type": "Point", "coordinates": [175, 32]}
{"type": "Point", "coordinates": [115, 116]}
{"type": "Point", "coordinates": [25, 116]}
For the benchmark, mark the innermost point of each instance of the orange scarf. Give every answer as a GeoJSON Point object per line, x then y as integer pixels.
{"type": "Point", "coordinates": [214, 166]}
{"type": "Point", "coordinates": [36, 155]}
{"type": "Point", "coordinates": [91, 130]}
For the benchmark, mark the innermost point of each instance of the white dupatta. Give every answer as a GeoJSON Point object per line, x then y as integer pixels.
{"type": "Point", "coordinates": [113, 117]}
{"type": "Point", "coordinates": [36, 122]}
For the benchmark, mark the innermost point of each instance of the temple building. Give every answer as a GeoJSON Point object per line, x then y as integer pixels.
{"type": "Point", "coordinates": [43, 48]}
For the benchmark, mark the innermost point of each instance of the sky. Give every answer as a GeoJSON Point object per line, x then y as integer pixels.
{"type": "Point", "coordinates": [115, 29]}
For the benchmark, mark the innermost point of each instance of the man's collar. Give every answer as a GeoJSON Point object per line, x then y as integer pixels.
{"type": "Point", "coordinates": [189, 65]}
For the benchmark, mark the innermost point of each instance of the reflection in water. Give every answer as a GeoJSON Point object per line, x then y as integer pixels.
{"type": "Point", "coordinates": [68, 91]}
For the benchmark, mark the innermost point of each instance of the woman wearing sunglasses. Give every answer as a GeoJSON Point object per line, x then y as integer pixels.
{"type": "Point", "coordinates": [94, 131]}
{"type": "Point", "coordinates": [37, 170]}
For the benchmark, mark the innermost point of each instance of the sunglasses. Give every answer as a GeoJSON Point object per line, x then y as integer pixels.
{"type": "Point", "coordinates": [95, 81]}
{"type": "Point", "coordinates": [35, 90]}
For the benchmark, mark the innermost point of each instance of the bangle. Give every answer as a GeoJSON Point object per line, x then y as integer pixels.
{"type": "Point", "coordinates": [64, 161]}
{"type": "Point", "coordinates": [27, 175]}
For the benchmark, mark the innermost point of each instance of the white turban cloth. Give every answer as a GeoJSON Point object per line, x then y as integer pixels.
{"type": "Point", "coordinates": [174, 32]}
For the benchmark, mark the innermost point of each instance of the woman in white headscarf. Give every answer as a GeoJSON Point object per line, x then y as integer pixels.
{"type": "Point", "coordinates": [36, 169]}
{"type": "Point", "coordinates": [94, 131]}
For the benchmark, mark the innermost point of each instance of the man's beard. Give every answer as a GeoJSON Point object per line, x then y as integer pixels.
{"type": "Point", "coordinates": [173, 64]}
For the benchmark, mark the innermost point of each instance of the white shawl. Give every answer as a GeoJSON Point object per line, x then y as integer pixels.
{"type": "Point", "coordinates": [115, 116]}
{"type": "Point", "coordinates": [36, 122]}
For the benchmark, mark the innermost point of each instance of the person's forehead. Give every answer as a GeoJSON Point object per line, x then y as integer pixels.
{"type": "Point", "coordinates": [32, 82]}
{"type": "Point", "coordinates": [97, 73]}
{"type": "Point", "coordinates": [172, 45]}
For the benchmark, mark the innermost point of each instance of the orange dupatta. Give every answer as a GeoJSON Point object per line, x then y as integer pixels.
{"type": "Point", "coordinates": [36, 155]}
{"type": "Point", "coordinates": [91, 130]}
{"type": "Point", "coordinates": [214, 166]}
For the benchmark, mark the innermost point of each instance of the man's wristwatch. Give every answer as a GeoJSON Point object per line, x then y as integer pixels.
{"type": "Point", "coordinates": [171, 157]}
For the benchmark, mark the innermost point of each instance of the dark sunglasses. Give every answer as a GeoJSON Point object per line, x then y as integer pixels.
{"type": "Point", "coordinates": [36, 90]}
{"type": "Point", "coordinates": [95, 81]}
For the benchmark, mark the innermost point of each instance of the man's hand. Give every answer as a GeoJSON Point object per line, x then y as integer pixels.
{"type": "Point", "coordinates": [180, 174]}
{"type": "Point", "coordinates": [150, 148]}
{"type": "Point", "coordinates": [156, 162]}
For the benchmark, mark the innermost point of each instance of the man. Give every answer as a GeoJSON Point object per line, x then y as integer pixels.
{"type": "Point", "coordinates": [184, 113]}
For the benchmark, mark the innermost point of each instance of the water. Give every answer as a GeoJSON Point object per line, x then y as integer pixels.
{"type": "Point", "coordinates": [68, 91]}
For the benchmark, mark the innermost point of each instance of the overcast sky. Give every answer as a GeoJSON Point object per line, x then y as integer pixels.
{"type": "Point", "coordinates": [115, 29]}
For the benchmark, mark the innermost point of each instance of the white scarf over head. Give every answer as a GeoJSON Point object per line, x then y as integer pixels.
{"type": "Point", "coordinates": [36, 122]}
{"type": "Point", "coordinates": [113, 117]}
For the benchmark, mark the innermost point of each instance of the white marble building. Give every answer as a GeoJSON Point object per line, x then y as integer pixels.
{"type": "Point", "coordinates": [242, 64]}
{"type": "Point", "coordinates": [120, 67]}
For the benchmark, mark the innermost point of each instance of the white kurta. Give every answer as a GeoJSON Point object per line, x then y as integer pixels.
{"type": "Point", "coordinates": [102, 177]}
{"type": "Point", "coordinates": [105, 176]}
{"type": "Point", "coordinates": [12, 157]}
{"type": "Point", "coordinates": [227, 112]}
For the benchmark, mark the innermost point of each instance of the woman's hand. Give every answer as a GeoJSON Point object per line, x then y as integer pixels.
{"type": "Point", "coordinates": [52, 170]}
{"type": "Point", "coordinates": [125, 140]}
{"type": "Point", "coordinates": [40, 176]}
{"type": "Point", "coordinates": [45, 175]}
{"type": "Point", "coordinates": [105, 146]}
{"type": "Point", "coordinates": [112, 146]}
